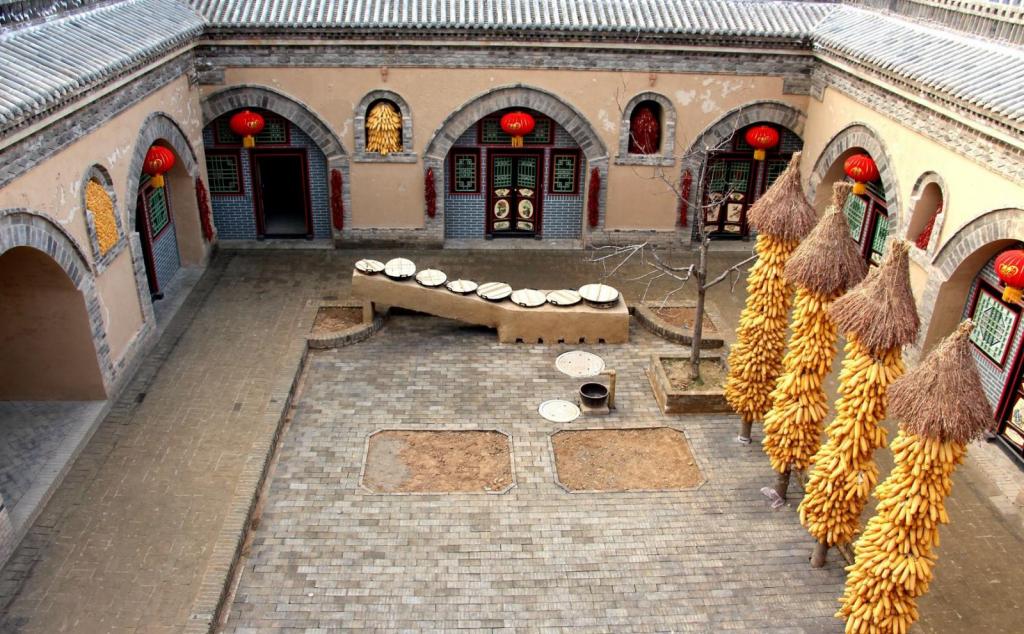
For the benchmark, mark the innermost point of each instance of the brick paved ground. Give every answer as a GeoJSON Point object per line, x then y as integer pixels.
{"type": "Point", "coordinates": [124, 541]}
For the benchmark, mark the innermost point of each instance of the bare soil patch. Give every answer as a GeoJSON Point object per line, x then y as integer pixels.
{"type": "Point", "coordinates": [624, 460]}
{"type": "Point", "coordinates": [331, 320]}
{"type": "Point", "coordinates": [682, 317]}
{"type": "Point", "coordinates": [678, 372]}
{"type": "Point", "coordinates": [438, 462]}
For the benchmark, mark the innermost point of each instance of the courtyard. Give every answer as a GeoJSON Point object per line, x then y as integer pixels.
{"type": "Point", "coordinates": [141, 534]}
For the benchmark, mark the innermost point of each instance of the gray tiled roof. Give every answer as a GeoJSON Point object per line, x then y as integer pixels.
{"type": "Point", "coordinates": [701, 17]}
{"type": "Point", "coordinates": [45, 64]}
{"type": "Point", "coordinates": [965, 70]}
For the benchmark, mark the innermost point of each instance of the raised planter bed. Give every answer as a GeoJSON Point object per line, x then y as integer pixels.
{"type": "Point", "coordinates": [340, 324]}
{"type": "Point", "coordinates": [674, 398]}
{"type": "Point", "coordinates": [667, 321]}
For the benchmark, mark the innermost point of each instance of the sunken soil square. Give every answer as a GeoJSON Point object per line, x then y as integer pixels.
{"type": "Point", "coordinates": [411, 461]}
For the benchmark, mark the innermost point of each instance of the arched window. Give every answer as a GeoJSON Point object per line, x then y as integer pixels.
{"type": "Point", "coordinates": [383, 129]}
{"type": "Point", "coordinates": [647, 131]}
{"type": "Point", "coordinates": [928, 202]}
{"type": "Point", "coordinates": [101, 218]}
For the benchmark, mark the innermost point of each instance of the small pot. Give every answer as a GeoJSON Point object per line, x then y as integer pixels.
{"type": "Point", "coordinates": [593, 394]}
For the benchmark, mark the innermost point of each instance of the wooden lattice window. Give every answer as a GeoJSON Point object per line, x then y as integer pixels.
{"type": "Point", "coordinates": [275, 131]}
{"type": "Point", "coordinates": [490, 132]}
{"type": "Point", "coordinates": [994, 325]}
{"type": "Point", "coordinates": [854, 209]}
{"type": "Point", "coordinates": [225, 172]}
{"type": "Point", "coordinates": [564, 172]}
{"type": "Point", "coordinates": [465, 170]}
{"type": "Point", "coordinates": [158, 210]}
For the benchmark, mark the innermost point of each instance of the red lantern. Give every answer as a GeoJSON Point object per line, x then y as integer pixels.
{"type": "Point", "coordinates": [159, 160]}
{"type": "Point", "coordinates": [247, 124]}
{"type": "Point", "coordinates": [517, 124]}
{"type": "Point", "coordinates": [1009, 267]}
{"type": "Point", "coordinates": [761, 138]}
{"type": "Point", "coordinates": [861, 169]}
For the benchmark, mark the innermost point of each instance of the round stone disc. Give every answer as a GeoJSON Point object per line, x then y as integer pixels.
{"type": "Point", "coordinates": [431, 277]}
{"type": "Point", "coordinates": [494, 291]}
{"type": "Point", "coordinates": [462, 287]}
{"type": "Point", "coordinates": [599, 293]}
{"type": "Point", "coordinates": [528, 298]}
{"type": "Point", "coordinates": [558, 411]}
{"type": "Point", "coordinates": [400, 268]}
{"type": "Point", "coordinates": [579, 364]}
{"type": "Point", "coordinates": [370, 267]}
{"type": "Point", "coordinates": [563, 298]}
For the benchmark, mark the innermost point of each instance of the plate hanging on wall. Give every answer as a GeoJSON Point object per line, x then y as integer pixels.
{"type": "Point", "coordinates": [528, 298]}
{"type": "Point", "coordinates": [431, 278]}
{"type": "Point", "coordinates": [399, 269]}
{"type": "Point", "coordinates": [494, 291]}
{"type": "Point", "coordinates": [462, 287]}
{"type": "Point", "coordinates": [369, 267]}
{"type": "Point", "coordinates": [563, 298]}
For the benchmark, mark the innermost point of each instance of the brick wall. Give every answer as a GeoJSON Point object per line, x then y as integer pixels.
{"type": "Point", "coordinates": [993, 377]}
{"type": "Point", "coordinates": [165, 253]}
{"type": "Point", "coordinates": [562, 215]}
{"type": "Point", "coordinates": [234, 214]}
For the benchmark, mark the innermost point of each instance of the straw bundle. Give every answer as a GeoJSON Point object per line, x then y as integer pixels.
{"type": "Point", "coordinates": [783, 210]}
{"type": "Point", "coordinates": [828, 262]}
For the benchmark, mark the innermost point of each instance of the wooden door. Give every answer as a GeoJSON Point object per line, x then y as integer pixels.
{"type": "Point", "coordinates": [730, 183]}
{"type": "Point", "coordinates": [515, 202]}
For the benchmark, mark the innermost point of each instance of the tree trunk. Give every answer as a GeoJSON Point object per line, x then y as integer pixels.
{"type": "Point", "coordinates": [745, 431]}
{"type": "Point", "coordinates": [819, 556]}
{"type": "Point", "coordinates": [698, 313]}
{"type": "Point", "coordinates": [782, 483]}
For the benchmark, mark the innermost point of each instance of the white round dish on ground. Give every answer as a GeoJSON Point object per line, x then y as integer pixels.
{"type": "Point", "coordinates": [559, 411]}
{"type": "Point", "coordinates": [599, 293]}
{"type": "Point", "coordinates": [579, 364]}
{"type": "Point", "coordinates": [400, 269]}
{"type": "Point", "coordinates": [494, 291]}
{"type": "Point", "coordinates": [431, 278]}
{"type": "Point", "coordinates": [370, 267]}
{"type": "Point", "coordinates": [563, 298]}
{"type": "Point", "coordinates": [528, 298]}
{"type": "Point", "coordinates": [462, 287]}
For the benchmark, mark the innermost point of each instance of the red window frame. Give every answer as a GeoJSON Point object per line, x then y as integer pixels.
{"type": "Point", "coordinates": [551, 171]}
{"type": "Point", "coordinates": [984, 287]}
{"type": "Point", "coordinates": [238, 166]}
{"type": "Point", "coordinates": [146, 190]}
{"type": "Point", "coordinates": [458, 151]}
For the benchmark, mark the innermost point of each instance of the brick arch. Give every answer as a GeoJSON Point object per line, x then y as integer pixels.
{"type": "Point", "coordinates": [723, 129]}
{"type": "Point", "coordinates": [157, 126]}
{"type": "Point", "coordinates": [853, 136]}
{"type": "Point", "coordinates": [21, 227]}
{"type": "Point", "coordinates": [514, 96]}
{"type": "Point", "coordinates": [407, 155]}
{"type": "Point", "coordinates": [666, 156]}
{"type": "Point", "coordinates": [298, 113]}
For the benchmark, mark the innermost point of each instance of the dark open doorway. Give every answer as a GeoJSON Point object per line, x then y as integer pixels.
{"type": "Point", "coordinates": [281, 187]}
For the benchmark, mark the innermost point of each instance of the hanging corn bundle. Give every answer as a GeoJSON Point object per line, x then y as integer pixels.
{"type": "Point", "coordinates": [384, 129]}
{"type": "Point", "coordinates": [782, 218]}
{"type": "Point", "coordinates": [940, 407]}
{"type": "Point", "coordinates": [822, 268]}
{"type": "Point", "coordinates": [878, 318]}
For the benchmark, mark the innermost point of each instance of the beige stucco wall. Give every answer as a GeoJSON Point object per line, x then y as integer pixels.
{"type": "Point", "coordinates": [54, 188]}
{"type": "Point", "coordinates": [391, 195]}
{"type": "Point", "coordinates": [971, 189]}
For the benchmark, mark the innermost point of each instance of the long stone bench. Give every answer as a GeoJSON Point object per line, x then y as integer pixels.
{"type": "Point", "coordinates": [515, 324]}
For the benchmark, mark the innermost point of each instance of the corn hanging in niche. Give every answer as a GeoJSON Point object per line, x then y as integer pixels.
{"type": "Point", "coordinates": [384, 129]}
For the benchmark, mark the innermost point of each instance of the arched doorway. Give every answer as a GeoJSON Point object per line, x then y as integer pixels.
{"type": "Point", "coordinates": [493, 190]}
{"type": "Point", "coordinates": [872, 215]}
{"type": "Point", "coordinates": [468, 141]}
{"type": "Point", "coordinates": [45, 332]}
{"type": "Point", "coordinates": [733, 180]}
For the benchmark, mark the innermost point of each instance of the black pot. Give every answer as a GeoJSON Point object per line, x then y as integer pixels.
{"type": "Point", "coordinates": [594, 394]}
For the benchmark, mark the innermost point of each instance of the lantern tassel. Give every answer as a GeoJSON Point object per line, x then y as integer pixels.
{"type": "Point", "coordinates": [859, 188]}
{"type": "Point", "coordinates": [248, 141]}
{"type": "Point", "coordinates": [517, 141]}
{"type": "Point", "coordinates": [759, 155]}
{"type": "Point", "coordinates": [157, 181]}
{"type": "Point", "coordinates": [1011, 295]}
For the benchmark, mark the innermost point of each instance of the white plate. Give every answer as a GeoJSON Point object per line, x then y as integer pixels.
{"type": "Point", "coordinates": [558, 411]}
{"type": "Point", "coordinates": [563, 298]}
{"type": "Point", "coordinates": [579, 364]}
{"type": "Point", "coordinates": [370, 267]}
{"type": "Point", "coordinates": [528, 298]}
{"type": "Point", "coordinates": [431, 278]}
{"type": "Point", "coordinates": [494, 291]}
{"type": "Point", "coordinates": [399, 268]}
{"type": "Point", "coordinates": [599, 293]}
{"type": "Point", "coordinates": [462, 287]}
